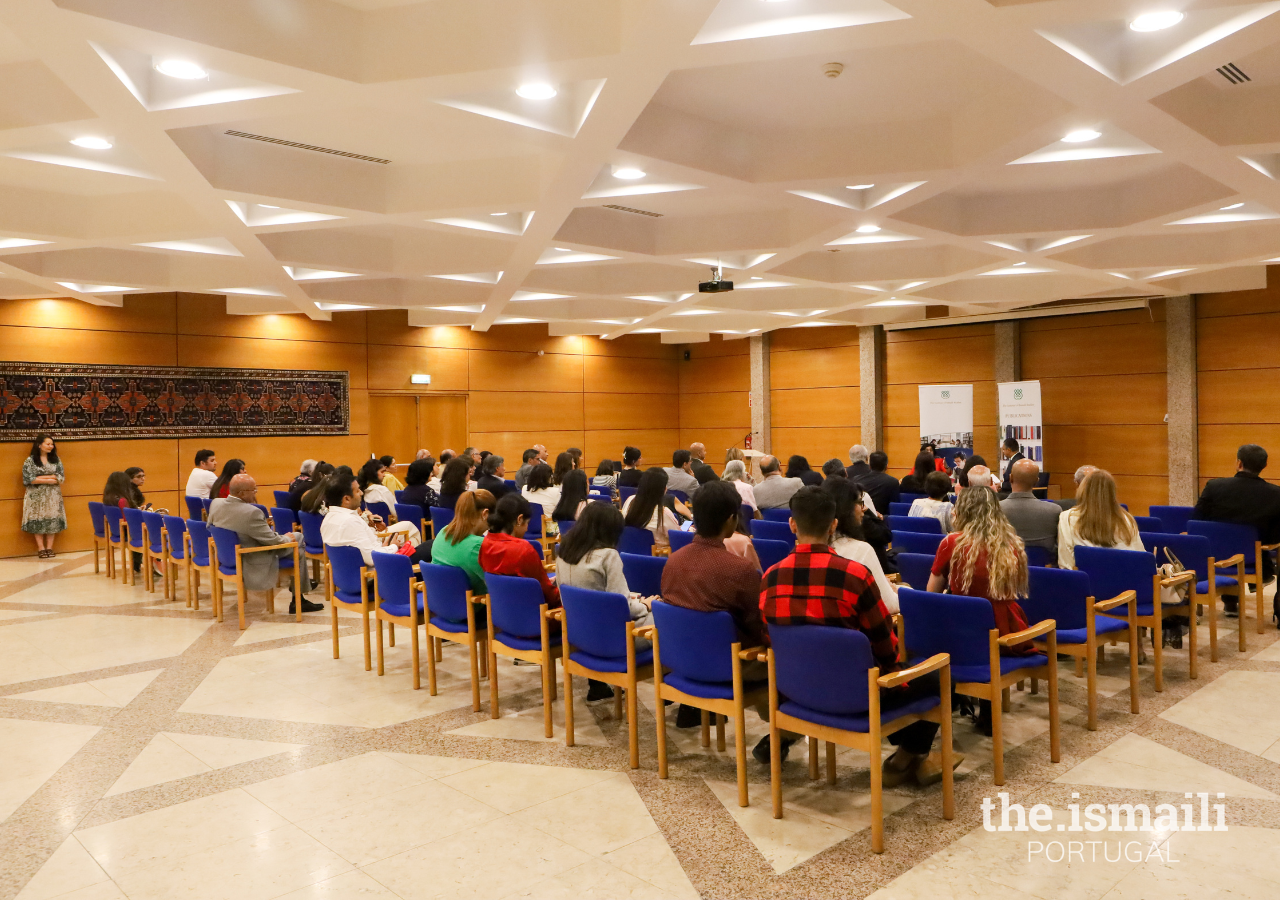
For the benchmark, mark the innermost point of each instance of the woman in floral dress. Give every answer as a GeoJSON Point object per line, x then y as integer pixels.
{"type": "Point", "coordinates": [42, 512]}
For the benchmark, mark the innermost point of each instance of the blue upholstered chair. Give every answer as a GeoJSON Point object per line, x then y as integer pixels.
{"type": "Point", "coordinates": [600, 643]}
{"type": "Point", "coordinates": [680, 539]}
{"type": "Point", "coordinates": [98, 516]}
{"type": "Point", "coordinates": [916, 542]}
{"type": "Point", "coordinates": [312, 542]}
{"type": "Point", "coordinates": [205, 503]}
{"type": "Point", "coordinates": [1227, 541]}
{"type": "Point", "coordinates": [702, 657]}
{"type": "Point", "coordinates": [114, 517]}
{"type": "Point", "coordinates": [226, 555]}
{"type": "Point", "coordinates": [440, 519]}
{"type": "Point", "coordinates": [914, 569]}
{"type": "Point", "coordinates": [451, 616]}
{"type": "Point", "coordinates": [347, 585]}
{"type": "Point", "coordinates": [1065, 596]}
{"type": "Point", "coordinates": [925, 524]}
{"type": "Point", "coordinates": [908, 498]}
{"type": "Point", "coordinates": [381, 510]}
{"type": "Point", "coordinates": [774, 531]}
{"type": "Point", "coordinates": [771, 552]}
{"type": "Point", "coordinates": [282, 498]}
{"type": "Point", "coordinates": [778, 514]}
{"type": "Point", "coordinates": [538, 530]}
{"type": "Point", "coordinates": [412, 512]}
{"type": "Point", "coordinates": [1174, 519]}
{"type": "Point", "coordinates": [284, 520]}
{"type": "Point", "coordinates": [636, 540]}
{"type": "Point", "coordinates": [564, 526]}
{"type": "Point", "coordinates": [135, 542]}
{"type": "Point", "coordinates": [748, 517]}
{"type": "Point", "coordinates": [1039, 557]}
{"type": "Point", "coordinates": [195, 507]}
{"type": "Point", "coordinates": [679, 495]}
{"type": "Point", "coordinates": [155, 550]}
{"type": "Point", "coordinates": [625, 492]}
{"type": "Point", "coordinates": [1195, 552]}
{"type": "Point", "coordinates": [897, 509]}
{"type": "Point", "coordinates": [644, 573]}
{"type": "Point", "coordinates": [200, 553]}
{"type": "Point", "coordinates": [178, 556]}
{"type": "Point", "coordinates": [1112, 572]}
{"type": "Point", "coordinates": [398, 601]}
{"type": "Point", "coordinates": [965, 629]}
{"type": "Point", "coordinates": [1148, 523]}
{"type": "Point", "coordinates": [520, 628]}
{"type": "Point", "coordinates": [824, 684]}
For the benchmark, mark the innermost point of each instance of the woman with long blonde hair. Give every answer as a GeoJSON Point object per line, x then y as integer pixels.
{"type": "Point", "coordinates": [1097, 520]}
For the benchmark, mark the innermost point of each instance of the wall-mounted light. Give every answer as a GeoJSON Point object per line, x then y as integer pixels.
{"type": "Point", "coordinates": [417, 378]}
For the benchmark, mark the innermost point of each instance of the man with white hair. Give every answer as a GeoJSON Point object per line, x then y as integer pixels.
{"type": "Point", "coordinates": [237, 512]}
{"type": "Point", "coordinates": [980, 476]}
{"type": "Point", "coordinates": [1081, 474]}
{"type": "Point", "coordinates": [858, 456]}
{"type": "Point", "coordinates": [304, 478]}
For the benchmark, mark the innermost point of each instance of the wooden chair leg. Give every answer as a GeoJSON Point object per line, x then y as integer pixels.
{"type": "Point", "coordinates": [1157, 648]}
{"type": "Point", "coordinates": [473, 654]}
{"type": "Point", "coordinates": [1213, 628]}
{"type": "Point", "coordinates": [1055, 728]}
{"type": "Point", "coordinates": [1195, 650]}
{"type": "Point", "coordinates": [775, 768]}
{"type": "Point", "coordinates": [739, 748]}
{"type": "Point", "coordinates": [333, 625]}
{"type": "Point", "coordinates": [1091, 666]}
{"type": "Point", "coordinates": [877, 798]}
{"type": "Point", "coordinates": [831, 763]}
{"type": "Point", "coordinates": [1133, 669]}
{"type": "Point", "coordinates": [633, 726]}
{"type": "Point", "coordinates": [813, 758]}
{"type": "Point", "coordinates": [380, 670]}
{"type": "Point", "coordinates": [364, 615]}
{"type": "Point", "coordinates": [413, 643]}
{"type": "Point", "coordinates": [1257, 593]}
{"type": "Point", "coordinates": [493, 683]}
{"type": "Point", "coordinates": [997, 739]}
{"type": "Point", "coordinates": [484, 659]}
{"type": "Point", "coordinates": [719, 732]}
{"type": "Point", "coordinates": [1035, 685]}
{"type": "Point", "coordinates": [391, 627]}
{"type": "Point", "coordinates": [1005, 703]}
{"type": "Point", "coordinates": [706, 728]}
{"type": "Point", "coordinates": [569, 736]}
{"type": "Point", "coordinates": [1079, 667]}
{"type": "Point", "coordinates": [439, 650]}
{"type": "Point", "coordinates": [617, 703]}
{"type": "Point", "coordinates": [548, 691]}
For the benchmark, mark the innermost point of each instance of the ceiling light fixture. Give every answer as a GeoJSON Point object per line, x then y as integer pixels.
{"type": "Point", "coordinates": [92, 143]}
{"type": "Point", "coordinates": [628, 173]}
{"type": "Point", "coordinates": [1232, 206]}
{"type": "Point", "coordinates": [497, 214]}
{"type": "Point", "coordinates": [867, 229]}
{"type": "Point", "coordinates": [181, 68]}
{"type": "Point", "coordinates": [268, 206]}
{"type": "Point", "coordinates": [537, 90]}
{"type": "Point", "coordinates": [858, 187]}
{"type": "Point", "coordinates": [1156, 21]}
{"type": "Point", "coordinates": [564, 249]}
{"type": "Point", "coordinates": [1081, 135]}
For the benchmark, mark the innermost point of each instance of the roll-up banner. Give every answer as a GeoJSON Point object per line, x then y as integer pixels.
{"type": "Point", "coordinates": [1021, 418]}
{"type": "Point", "coordinates": [946, 418]}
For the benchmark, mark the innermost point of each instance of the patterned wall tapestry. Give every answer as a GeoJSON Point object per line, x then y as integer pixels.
{"type": "Point", "coordinates": [78, 402]}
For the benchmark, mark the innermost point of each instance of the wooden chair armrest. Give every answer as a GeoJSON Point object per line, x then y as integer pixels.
{"type": "Point", "coordinates": [893, 578]}
{"type": "Point", "coordinates": [1227, 563]}
{"type": "Point", "coordinates": [1180, 578]}
{"type": "Point", "coordinates": [556, 614]}
{"type": "Point", "coordinates": [752, 653]}
{"type": "Point", "coordinates": [1027, 634]}
{"type": "Point", "coordinates": [1271, 546]}
{"type": "Point", "coordinates": [1118, 600]}
{"type": "Point", "coordinates": [933, 663]}
{"type": "Point", "coordinates": [244, 549]}
{"type": "Point", "coordinates": [645, 632]}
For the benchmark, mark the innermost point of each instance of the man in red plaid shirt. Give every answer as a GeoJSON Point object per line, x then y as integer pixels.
{"type": "Point", "coordinates": [814, 586]}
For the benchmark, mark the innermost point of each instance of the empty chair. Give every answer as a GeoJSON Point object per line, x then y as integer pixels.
{"type": "Point", "coordinates": [284, 520]}
{"type": "Point", "coordinates": [643, 573]}
{"type": "Point", "coordinates": [1226, 541]}
{"type": "Point", "coordinates": [156, 551]}
{"type": "Point", "coordinates": [770, 552]}
{"type": "Point", "coordinates": [636, 540]}
{"type": "Point", "coordinates": [412, 512]}
{"type": "Point", "coordinates": [824, 683]}
{"type": "Point", "coordinates": [1148, 523]}
{"type": "Point", "coordinates": [1039, 557]}
{"type": "Point", "coordinates": [599, 641]}
{"type": "Point", "coordinates": [780, 514]}
{"type": "Point", "coordinates": [1174, 519]}
{"type": "Point", "coordinates": [916, 542]}
{"type": "Point", "coordinates": [679, 539]}
{"type": "Point", "coordinates": [1065, 596]}
{"type": "Point", "coordinates": [200, 548]}
{"type": "Point", "coordinates": [115, 538]}
{"type": "Point", "coordinates": [1195, 553]}
{"type": "Point", "coordinates": [923, 524]}
{"type": "Point", "coordinates": [282, 498]}
{"type": "Point", "coordinates": [227, 553]}
{"type": "Point", "coordinates": [703, 658]}
{"type": "Point", "coordinates": [440, 519]}
{"type": "Point", "coordinates": [520, 628]}
{"type": "Point", "coordinates": [312, 542]}
{"type": "Point", "coordinates": [195, 507]}
{"type": "Point", "coordinates": [774, 531]}
{"type": "Point", "coordinates": [898, 509]}
{"type": "Point", "coordinates": [965, 629]}
{"type": "Point", "coordinates": [98, 516]}
{"type": "Point", "coordinates": [398, 601]}
{"type": "Point", "coordinates": [347, 584]}
{"type": "Point", "coordinates": [381, 510]}
{"type": "Point", "coordinates": [914, 569]}
{"type": "Point", "coordinates": [179, 555]}
{"type": "Point", "coordinates": [451, 615]}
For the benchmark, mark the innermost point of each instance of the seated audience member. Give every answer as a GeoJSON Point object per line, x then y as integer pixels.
{"type": "Point", "coordinates": [702, 576]}
{"type": "Point", "coordinates": [1010, 454]}
{"type": "Point", "coordinates": [798, 467]}
{"type": "Point", "coordinates": [774, 491]}
{"type": "Point", "coordinates": [631, 471]}
{"type": "Point", "coordinates": [878, 485]}
{"type": "Point", "coordinates": [576, 455]}
{"type": "Point", "coordinates": [981, 476]}
{"type": "Point", "coordinates": [573, 497]}
{"type": "Point", "coordinates": [493, 473]}
{"type": "Point", "coordinates": [422, 453]}
{"type": "Point", "coordinates": [343, 526]}
{"type": "Point", "coordinates": [605, 476]}
{"type": "Point", "coordinates": [734, 453]}
{"type": "Point", "coordinates": [739, 543]}
{"type": "Point", "coordinates": [962, 473]}
{"type": "Point", "coordinates": [484, 454]}
{"type": "Point", "coordinates": [1034, 520]}
{"type": "Point", "coordinates": [119, 491]}
{"type": "Point", "coordinates": [237, 512]}
{"type": "Point", "coordinates": [417, 489]}
{"type": "Point", "coordinates": [389, 479]}
{"type": "Point", "coordinates": [849, 539]}
{"type": "Point", "coordinates": [458, 543]}
{"type": "Point", "coordinates": [937, 485]}
{"type": "Point", "coordinates": [680, 475]}
{"type": "Point", "coordinates": [528, 460]}
{"type": "Point", "coordinates": [814, 586]}
{"type": "Point", "coordinates": [698, 463]}
{"type": "Point", "coordinates": [304, 475]}
{"type": "Point", "coordinates": [313, 501]}
{"type": "Point", "coordinates": [297, 492]}
{"type": "Point", "coordinates": [434, 481]}
{"type": "Point", "coordinates": [1097, 520]}
{"type": "Point", "coordinates": [471, 455]}
{"type": "Point", "coordinates": [505, 550]}
{"type": "Point", "coordinates": [834, 468]}
{"type": "Point", "coordinates": [735, 472]}
{"type": "Point", "coordinates": [370, 478]}
{"type": "Point", "coordinates": [1245, 499]}
{"type": "Point", "coordinates": [454, 481]}
{"type": "Point", "coordinates": [648, 507]}
{"type": "Point", "coordinates": [539, 489]}
{"type": "Point", "coordinates": [564, 465]}
{"type": "Point", "coordinates": [446, 456]}
{"type": "Point", "coordinates": [137, 478]}
{"type": "Point", "coordinates": [203, 475]}
{"type": "Point", "coordinates": [222, 486]}
{"type": "Point", "coordinates": [913, 483]}
{"type": "Point", "coordinates": [858, 465]}
{"type": "Point", "coordinates": [1081, 474]}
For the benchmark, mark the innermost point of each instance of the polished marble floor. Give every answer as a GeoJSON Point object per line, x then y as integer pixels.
{"type": "Point", "coordinates": [151, 752]}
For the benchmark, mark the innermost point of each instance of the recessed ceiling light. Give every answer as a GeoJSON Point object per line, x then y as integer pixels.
{"type": "Point", "coordinates": [859, 187]}
{"type": "Point", "coordinates": [268, 206]}
{"type": "Point", "coordinates": [894, 301]}
{"type": "Point", "coordinates": [1019, 264]}
{"type": "Point", "coordinates": [1081, 135]}
{"type": "Point", "coordinates": [537, 90]}
{"type": "Point", "coordinates": [756, 278]}
{"type": "Point", "coordinates": [909, 285]}
{"type": "Point", "coordinates": [181, 68]}
{"type": "Point", "coordinates": [867, 229]}
{"type": "Point", "coordinates": [628, 174]}
{"type": "Point", "coordinates": [564, 249]}
{"type": "Point", "coordinates": [497, 214]}
{"type": "Point", "coordinates": [92, 143]}
{"type": "Point", "coordinates": [1232, 206]}
{"type": "Point", "coordinates": [1156, 21]}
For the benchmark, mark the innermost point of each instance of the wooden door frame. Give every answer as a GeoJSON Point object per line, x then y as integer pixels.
{"type": "Point", "coordinates": [465, 395]}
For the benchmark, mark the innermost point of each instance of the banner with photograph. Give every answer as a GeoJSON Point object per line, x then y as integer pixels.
{"type": "Point", "coordinates": [1021, 418]}
{"type": "Point", "coordinates": [946, 417]}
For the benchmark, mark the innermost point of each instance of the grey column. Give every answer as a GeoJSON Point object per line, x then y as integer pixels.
{"type": "Point", "coordinates": [1183, 415]}
{"type": "Point", "coordinates": [871, 385]}
{"type": "Point", "coordinates": [761, 427]}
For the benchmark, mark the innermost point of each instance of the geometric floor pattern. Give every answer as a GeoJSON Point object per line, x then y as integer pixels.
{"type": "Point", "coordinates": [150, 752]}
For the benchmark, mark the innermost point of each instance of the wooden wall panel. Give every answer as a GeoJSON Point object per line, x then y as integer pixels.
{"type": "Point", "coordinates": [815, 444]}
{"type": "Point", "coordinates": [819, 367]}
{"type": "Point", "coordinates": [498, 411]}
{"type": "Point", "coordinates": [250, 353]}
{"type": "Point", "coordinates": [628, 412]}
{"type": "Point", "coordinates": [631, 375]}
{"type": "Point", "coordinates": [655, 445]}
{"type": "Point", "coordinates": [634, 346]}
{"type": "Point", "coordinates": [719, 345]}
{"type": "Point", "coordinates": [511, 444]}
{"type": "Point", "coordinates": [812, 338]}
{"type": "Point", "coordinates": [1092, 350]}
{"type": "Point", "coordinates": [1230, 396]}
{"type": "Point", "coordinates": [1219, 443]}
{"type": "Point", "coordinates": [141, 313]}
{"type": "Point", "coordinates": [520, 371]}
{"type": "Point", "coordinates": [816, 408]}
{"type": "Point", "coordinates": [1237, 342]}
{"type": "Point", "coordinates": [205, 314]}
{"type": "Point", "coordinates": [710, 374]}
{"type": "Point", "coordinates": [728, 409]}
{"type": "Point", "coordinates": [1104, 400]}
{"type": "Point", "coordinates": [902, 405]}
{"type": "Point", "coordinates": [66, 345]}
{"type": "Point", "coordinates": [1138, 492]}
{"type": "Point", "coordinates": [391, 365]}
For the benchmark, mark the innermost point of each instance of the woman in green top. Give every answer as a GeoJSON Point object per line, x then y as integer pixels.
{"type": "Point", "coordinates": [458, 543]}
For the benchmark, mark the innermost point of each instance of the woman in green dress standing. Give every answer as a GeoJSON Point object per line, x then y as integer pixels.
{"type": "Point", "coordinates": [42, 512]}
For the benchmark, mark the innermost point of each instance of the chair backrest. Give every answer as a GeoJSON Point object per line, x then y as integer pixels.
{"type": "Point", "coordinates": [897, 509]}
{"type": "Point", "coordinates": [908, 498]}
{"type": "Point", "coordinates": [778, 514]}
{"type": "Point", "coordinates": [195, 507]}
{"type": "Point", "coordinates": [226, 541]}
{"type": "Point", "coordinates": [680, 539]}
{"type": "Point", "coordinates": [1192, 550]}
{"type": "Point", "coordinates": [394, 578]}
{"type": "Point", "coordinates": [770, 552]}
{"type": "Point", "coordinates": [947, 623]}
{"type": "Point", "coordinates": [1175, 518]}
{"type": "Point", "coordinates": [312, 541]}
{"type": "Point", "coordinates": [284, 519]}
{"type": "Point", "coordinates": [114, 516]}
{"type": "Point", "coordinates": [1113, 571]}
{"type": "Point", "coordinates": [411, 512]}
{"type": "Point", "coordinates": [282, 498]}
{"type": "Point", "coordinates": [916, 542]}
{"type": "Point", "coordinates": [821, 667]}
{"type": "Point", "coordinates": [400, 495]}
{"type": "Point", "coordinates": [345, 564]}
{"type": "Point", "coordinates": [564, 526]}
{"type": "Point", "coordinates": [1226, 539]}
{"type": "Point", "coordinates": [447, 588]}
{"type": "Point", "coordinates": [636, 540]}
{"type": "Point", "coordinates": [748, 516]}
{"type": "Point", "coordinates": [154, 523]}
{"type": "Point", "coordinates": [199, 531]}
{"type": "Point", "coordinates": [205, 503]}
{"type": "Point", "coordinates": [774, 531]}
{"type": "Point", "coordinates": [924, 524]}
{"type": "Point", "coordinates": [625, 492]}
{"type": "Point", "coordinates": [98, 516]}
{"type": "Point", "coordinates": [133, 518]}
{"type": "Point", "coordinates": [644, 573]}
{"type": "Point", "coordinates": [510, 482]}
{"type": "Point", "coordinates": [177, 528]}
{"type": "Point", "coordinates": [440, 519]}
{"type": "Point", "coordinates": [695, 645]}
{"type": "Point", "coordinates": [595, 621]}
{"type": "Point", "coordinates": [514, 603]}
{"type": "Point", "coordinates": [536, 545]}
{"type": "Point", "coordinates": [1058, 594]}
{"type": "Point", "coordinates": [679, 495]}
{"type": "Point", "coordinates": [914, 569]}
{"type": "Point", "coordinates": [1038, 557]}
{"type": "Point", "coordinates": [1148, 523]}
{"type": "Point", "coordinates": [380, 509]}
{"type": "Point", "coordinates": [536, 513]}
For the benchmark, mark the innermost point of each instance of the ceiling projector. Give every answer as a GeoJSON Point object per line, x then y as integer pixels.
{"type": "Point", "coordinates": [716, 285]}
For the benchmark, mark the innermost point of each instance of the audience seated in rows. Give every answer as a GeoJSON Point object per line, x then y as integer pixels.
{"type": "Point", "coordinates": [528, 460]}
{"type": "Point", "coordinates": [605, 476]}
{"type": "Point", "coordinates": [880, 487]}
{"type": "Point", "coordinates": [981, 476]}
{"type": "Point", "coordinates": [735, 472]}
{"type": "Point", "coordinates": [455, 481]}
{"type": "Point", "coordinates": [833, 468]}
{"type": "Point", "coordinates": [798, 467]}
{"type": "Point", "coordinates": [652, 507]}
{"type": "Point", "coordinates": [389, 479]}
{"type": "Point", "coordinates": [493, 473]}
{"type": "Point", "coordinates": [573, 497]}
{"type": "Point", "coordinates": [698, 464]}
{"type": "Point", "coordinates": [304, 475]}
{"type": "Point", "coordinates": [1245, 499]}
{"type": "Point", "coordinates": [849, 540]}
{"type": "Point", "coordinates": [1034, 520]}
{"type": "Point", "coordinates": [913, 483]}
{"type": "Point", "coordinates": [458, 543]}
{"type": "Point", "coordinates": [417, 483]}
{"type": "Point", "coordinates": [539, 489]}
{"type": "Point", "coordinates": [935, 504]}
{"type": "Point", "coordinates": [221, 486]}
{"type": "Point", "coordinates": [505, 551]}
{"type": "Point", "coordinates": [375, 491]}
{"type": "Point", "coordinates": [203, 475]}
{"type": "Point", "coordinates": [1081, 474]}
{"type": "Point", "coordinates": [774, 491]}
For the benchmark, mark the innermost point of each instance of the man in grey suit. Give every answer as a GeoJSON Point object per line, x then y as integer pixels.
{"type": "Point", "coordinates": [237, 513]}
{"type": "Point", "coordinates": [774, 492]}
{"type": "Point", "coordinates": [1035, 521]}
{"type": "Point", "coordinates": [680, 475]}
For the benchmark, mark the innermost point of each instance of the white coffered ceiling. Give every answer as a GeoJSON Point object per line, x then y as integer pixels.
{"type": "Point", "coordinates": [981, 155]}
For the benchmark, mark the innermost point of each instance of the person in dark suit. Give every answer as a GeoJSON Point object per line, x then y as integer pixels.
{"type": "Point", "coordinates": [1011, 452]}
{"type": "Point", "coordinates": [493, 476]}
{"type": "Point", "coordinates": [882, 487]}
{"type": "Point", "coordinates": [1245, 499]}
{"type": "Point", "coordinates": [858, 467]}
{"type": "Point", "coordinates": [698, 464]}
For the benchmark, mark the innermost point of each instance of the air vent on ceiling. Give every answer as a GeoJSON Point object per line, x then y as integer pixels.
{"type": "Point", "coordinates": [631, 209]}
{"type": "Point", "coordinates": [1233, 73]}
{"type": "Point", "coordinates": [313, 147]}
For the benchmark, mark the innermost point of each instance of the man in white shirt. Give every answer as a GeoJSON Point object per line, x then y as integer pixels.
{"type": "Point", "coordinates": [203, 475]}
{"type": "Point", "coordinates": [343, 526]}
